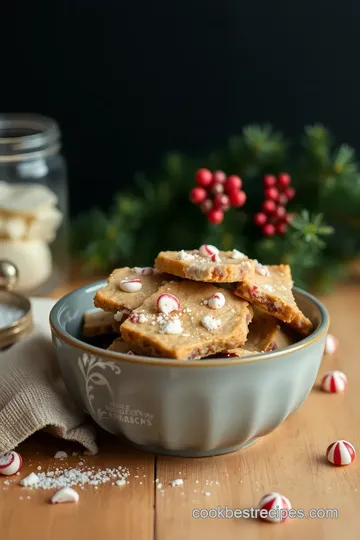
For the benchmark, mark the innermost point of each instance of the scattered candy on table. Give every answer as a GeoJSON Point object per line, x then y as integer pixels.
{"type": "Point", "coordinates": [276, 506]}
{"type": "Point", "coordinates": [65, 495]}
{"type": "Point", "coordinates": [331, 344]}
{"type": "Point", "coordinates": [341, 453]}
{"type": "Point", "coordinates": [334, 381]}
{"type": "Point", "coordinates": [10, 463]}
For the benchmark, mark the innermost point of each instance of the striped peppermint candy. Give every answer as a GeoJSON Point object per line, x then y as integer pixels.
{"type": "Point", "coordinates": [206, 250]}
{"type": "Point", "coordinates": [130, 285]}
{"type": "Point", "coordinates": [10, 463]}
{"type": "Point", "coordinates": [276, 506]}
{"type": "Point", "coordinates": [334, 381]}
{"type": "Point", "coordinates": [341, 453]}
{"type": "Point", "coordinates": [331, 344]}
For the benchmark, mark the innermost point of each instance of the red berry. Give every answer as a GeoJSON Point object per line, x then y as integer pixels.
{"type": "Point", "coordinates": [203, 177]}
{"type": "Point", "coordinates": [282, 199]}
{"type": "Point", "coordinates": [206, 206]}
{"type": "Point", "coordinates": [237, 198]}
{"type": "Point", "coordinates": [269, 180]}
{"type": "Point", "coordinates": [269, 207]}
{"type": "Point", "coordinates": [197, 195]}
{"type": "Point", "coordinates": [233, 182]}
{"type": "Point", "coordinates": [219, 176]}
{"type": "Point", "coordinates": [288, 218]}
{"type": "Point", "coordinates": [284, 179]}
{"type": "Point", "coordinates": [221, 202]}
{"type": "Point", "coordinates": [260, 219]}
{"type": "Point", "coordinates": [290, 193]}
{"type": "Point", "coordinates": [215, 216]}
{"type": "Point", "coordinates": [272, 193]}
{"type": "Point", "coordinates": [268, 229]}
{"type": "Point", "coordinates": [217, 188]}
{"type": "Point", "coordinates": [281, 227]}
{"type": "Point", "coordinates": [280, 212]}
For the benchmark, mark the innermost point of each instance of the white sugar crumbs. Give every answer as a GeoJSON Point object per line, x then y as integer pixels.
{"type": "Point", "coordinates": [74, 477]}
{"type": "Point", "coordinates": [177, 482]}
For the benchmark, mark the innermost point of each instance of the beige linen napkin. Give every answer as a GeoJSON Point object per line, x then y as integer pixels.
{"type": "Point", "coordinates": [33, 396]}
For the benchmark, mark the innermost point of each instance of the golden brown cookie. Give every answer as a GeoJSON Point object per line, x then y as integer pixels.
{"type": "Point", "coordinates": [188, 320]}
{"type": "Point", "coordinates": [205, 264]}
{"type": "Point", "coordinates": [121, 346]}
{"type": "Point", "coordinates": [265, 334]}
{"type": "Point", "coordinates": [98, 322]}
{"type": "Point", "coordinates": [270, 288]}
{"type": "Point", "coordinates": [127, 288]}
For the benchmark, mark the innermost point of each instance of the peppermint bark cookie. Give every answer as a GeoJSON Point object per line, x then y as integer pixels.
{"type": "Point", "coordinates": [265, 334]}
{"type": "Point", "coordinates": [127, 288]}
{"type": "Point", "coordinates": [270, 288]}
{"type": "Point", "coordinates": [205, 264]}
{"type": "Point", "coordinates": [188, 320]}
{"type": "Point", "coordinates": [119, 345]}
{"type": "Point", "coordinates": [97, 323]}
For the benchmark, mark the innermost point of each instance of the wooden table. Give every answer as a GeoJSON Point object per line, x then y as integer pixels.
{"type": "Point", "coordinates": [290, 460]}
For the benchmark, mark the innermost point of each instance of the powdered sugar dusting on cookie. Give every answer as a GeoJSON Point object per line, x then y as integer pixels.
{"type": "Point", "coordinates": [210, 323]}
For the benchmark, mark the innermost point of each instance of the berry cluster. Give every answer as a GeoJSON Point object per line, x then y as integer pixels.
{"type": "Point", "coordinates": [278, 192]}
{"type": "Point", "coordinates": [216, 193]}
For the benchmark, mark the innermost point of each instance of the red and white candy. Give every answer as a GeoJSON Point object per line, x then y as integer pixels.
{"type": "Point", "coordinates": [206, 250]}
{"type": "Point", "coordinates": [275, 507]}
{"type": "Point", "coordinates": [262, 270]}
{"type": "Point", "coordinates": [10, 463]}
{"type": "Point", "coordinates": [130, 285]}
{"type": "Point", "coordinates": [331, 344]}
{"type": "Point", "coordinates": [146, 271]}
{"type": "Point", "coordinates": [334, 381]}
{"type": "Point", "coordinates": [215, 258]}
{"type": "Point", "coordinates": [217, 301]}
{"type": "Point", "coordinates": [340, 453]}
{"type": "Point", "coordinates": [167, 303]}
{"type": "Point", "coordinates": [238, 254]}
{"type": "Point", "coordinates": [65, 495]}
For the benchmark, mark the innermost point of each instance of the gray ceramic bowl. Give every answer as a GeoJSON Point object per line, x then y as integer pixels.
{"type": "Point", "coordinates": [186, 408]}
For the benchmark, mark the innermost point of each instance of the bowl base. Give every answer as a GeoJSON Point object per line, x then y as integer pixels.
{"type": "Point", "coordinates": [194, 453]}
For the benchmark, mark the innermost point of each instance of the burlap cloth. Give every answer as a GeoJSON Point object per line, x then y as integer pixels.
{"type": "Point", "coordinates": [33, 396]}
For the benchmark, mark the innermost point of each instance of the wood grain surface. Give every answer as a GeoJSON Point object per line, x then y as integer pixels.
{"type": "Point", "coordinates": [291, 460]}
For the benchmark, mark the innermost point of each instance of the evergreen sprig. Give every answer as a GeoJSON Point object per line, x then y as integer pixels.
{"type": "Point", "coordinates": [157, 215]}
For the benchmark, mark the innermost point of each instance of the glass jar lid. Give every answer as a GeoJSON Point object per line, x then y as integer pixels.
{"type": "Point", "coordinates": [15, 310]}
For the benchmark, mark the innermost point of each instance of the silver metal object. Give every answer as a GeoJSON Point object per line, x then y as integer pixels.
{"type": "Point", "coordinates": [15, 310]}
{"type": "Point", "coordinates": [8, 275]}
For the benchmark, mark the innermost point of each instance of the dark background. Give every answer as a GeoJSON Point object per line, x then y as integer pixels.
{"type": "Point", "coordinates": [128, 81]}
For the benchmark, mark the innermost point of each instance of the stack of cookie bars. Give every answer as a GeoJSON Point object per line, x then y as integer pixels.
{"type": "Point", "coordinates": [197, 304]}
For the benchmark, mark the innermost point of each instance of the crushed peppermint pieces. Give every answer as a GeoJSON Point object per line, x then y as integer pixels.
{"type": "Point", "coordinates": [130, 285]}
{"type": "Point", "coordinates": [217, 301]}
{"type": "Point", "coordinates": [238, 254]}
{"type": "Point", "coordinates": [60, 455]}
{"type": "Point", "coordinates": [186, 257]}
{"type": "Point", "coordinates": [65, 495]}
{"type": "Point", "coordinates": [177, 482]}
{"type": "Point", "coordinates": [262, 270]}
{"type": "Point", "coordinates": [167, 303]}
{"type": "Point", "coordinates": [172, 327]}
{"type": "Point", "coordinates": [30, 481]}
{"type": "Point", "coordinates": [210, 323]}
{"type": "Point", "coordinates": [119, 315]}
{"type": "Point", "coordinates": [146, 271]}
{"type": "Point", "coordinates": [206, 250]}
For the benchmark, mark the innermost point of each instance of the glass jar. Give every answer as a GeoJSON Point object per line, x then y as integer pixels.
{"type": "Point", "coordinates": [33, 202]}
